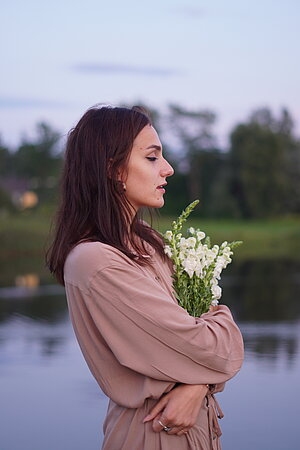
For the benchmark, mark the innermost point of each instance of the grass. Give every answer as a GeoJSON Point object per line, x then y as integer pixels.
{"type": "Point", "coordinates": [266, 239]}
{"type": "Point", "coordinates": [24, 238]}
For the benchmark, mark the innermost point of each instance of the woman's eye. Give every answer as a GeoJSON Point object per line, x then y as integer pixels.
{"type": "Point", "coordinates": [151, 158]}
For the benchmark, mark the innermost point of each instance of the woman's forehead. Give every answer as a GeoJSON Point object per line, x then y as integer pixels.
{"type": "Point", "coordinates": [147, 137]}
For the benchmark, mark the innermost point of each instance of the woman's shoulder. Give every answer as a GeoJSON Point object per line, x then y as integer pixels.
{"type": "Point", "coordinates": [94, 253]}
{"type": "Point", "coordinates": [88, 258]}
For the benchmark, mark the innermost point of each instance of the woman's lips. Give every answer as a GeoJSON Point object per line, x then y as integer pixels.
{"type": "Point", "coordinates": [161, 188]}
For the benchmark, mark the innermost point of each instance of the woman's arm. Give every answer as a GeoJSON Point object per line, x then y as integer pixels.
{"type": "Point", "coordinates": [178, 409]}
{"type": "Point", "coordinates": [144, 328]}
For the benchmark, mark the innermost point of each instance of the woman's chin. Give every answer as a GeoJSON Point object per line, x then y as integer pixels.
{"type": "Point", "coordinates": [156, 204]}
{"type": "Point", "coordinates": [159, 204]}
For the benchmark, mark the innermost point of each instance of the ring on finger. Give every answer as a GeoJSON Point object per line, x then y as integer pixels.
{"type": "Point", "coordinates": [165, 428]}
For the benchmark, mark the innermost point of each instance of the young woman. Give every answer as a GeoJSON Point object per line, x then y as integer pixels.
{"type": "Point", "coordinates": [159, 366]}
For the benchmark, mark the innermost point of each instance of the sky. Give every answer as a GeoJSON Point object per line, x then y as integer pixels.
{"type": "Point", "coordinates": [60, 57]}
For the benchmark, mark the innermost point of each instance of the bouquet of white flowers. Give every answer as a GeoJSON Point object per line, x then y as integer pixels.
{"type": "Point", "coordinates": [197, 265]}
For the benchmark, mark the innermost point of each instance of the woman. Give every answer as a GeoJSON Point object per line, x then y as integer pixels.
{"type": "Point", "coordinates": [159, 366]}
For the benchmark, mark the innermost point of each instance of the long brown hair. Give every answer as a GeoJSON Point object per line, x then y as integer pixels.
{"type": "Point", "coordinates": [93, 205]}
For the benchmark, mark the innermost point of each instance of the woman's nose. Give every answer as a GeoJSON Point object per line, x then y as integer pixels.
{"type": "Point", "coordinates": [168, 170]}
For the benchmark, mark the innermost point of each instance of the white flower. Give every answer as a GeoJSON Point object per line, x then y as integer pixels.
{"type": "Point", "coordinates": [215, 249]}
{"type": "Point", "coordinates": [216, 291]}
{"type": "Point", "coordinates": [197, 265]}
{"type": "Point", "coordinates": [182, 244]}
{"type": "Point", "coordinates": [168, 251]}
{"type": "Point", "coordinates": [168, 235]}
{"type": "Point", "coordinates": [209, 255]}
{"type": "Point", "coordinates": [200, 235]}
{"type": "Point", "coordinates": [199, 269]}
{"type": "Point", "coordinates": [182, 255]}
{"type": "Point", "coordinates": [189, 265]}
{"type": "Point", "coordinates": [191, 242]}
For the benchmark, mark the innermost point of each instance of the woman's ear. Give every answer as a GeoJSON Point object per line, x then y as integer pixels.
{"type": "Point", "coordinates": [120, 175]}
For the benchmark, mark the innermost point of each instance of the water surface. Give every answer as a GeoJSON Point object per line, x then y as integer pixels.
{"type": "Point", "coordinates": [49, 400]}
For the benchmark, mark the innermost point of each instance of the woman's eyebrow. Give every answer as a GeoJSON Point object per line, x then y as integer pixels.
{"type": "Point", "coordinates": [155, 147]}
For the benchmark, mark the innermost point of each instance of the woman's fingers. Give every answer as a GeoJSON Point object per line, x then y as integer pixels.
{"type": "Point", "coordinates": [162, 424]}
{"type": "Point", "coordinates": [179, 431]}
{"type": "Point", "coordinates": [177, 411]}
{"type": "Point", "coordinates": [158, 408]}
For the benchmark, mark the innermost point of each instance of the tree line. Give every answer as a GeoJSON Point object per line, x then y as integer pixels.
{"type": "Point", "coordinates": [257, 176]}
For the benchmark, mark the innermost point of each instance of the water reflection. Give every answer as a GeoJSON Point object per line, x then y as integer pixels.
{"type": "Point", "coordinates": [27, 280]}
{"type": "Point", "coordinates": [34, 339]}
{"type": "Point", "coordinates": [41, 366]}
{"type": "Point", "coordinates": [272, 342]}
{"type": "Point", "coordinates": [45, 386]}
{"type": "Point", "coordinates": [263, 296]}
{"type": "Point", "coordinates": [264, 291]}
{"type": "Point", "coordinates": [42, 303]}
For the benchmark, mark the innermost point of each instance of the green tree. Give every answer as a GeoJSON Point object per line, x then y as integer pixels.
{"type": "Point", "coordinates": [196, 157]}
{"type": "Point", "coordinates": [5, 159]}
{"type": "Point", "coordinates": [6, 204]}
{"type": "Point", "coordinates": [292, 145]}
{"type": "Point", "coordinates": [39, 158]}
{"type": "Point", "coordinates": [261, 157]}
{"type": "Point", "coordinates": [39, 161]}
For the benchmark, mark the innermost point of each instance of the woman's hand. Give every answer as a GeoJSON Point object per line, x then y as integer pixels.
{"type": "Point", "coordinates": [178, 409]}
{"type": "Point", "coordinates": [213, 308]}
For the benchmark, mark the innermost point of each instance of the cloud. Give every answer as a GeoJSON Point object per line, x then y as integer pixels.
{"type": "Point", "coordinates": [125, 69]}
{"type": "Point", "coordinates": [15, 102]}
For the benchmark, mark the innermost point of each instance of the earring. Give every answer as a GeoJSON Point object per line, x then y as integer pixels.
{"type": "Point", "coordinates": [121, 185]}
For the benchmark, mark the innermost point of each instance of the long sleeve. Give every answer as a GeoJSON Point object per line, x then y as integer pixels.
{"type": "Point", "coordinates": [138, 318]}
{"type": "Point", "coordinates": [142, 330]}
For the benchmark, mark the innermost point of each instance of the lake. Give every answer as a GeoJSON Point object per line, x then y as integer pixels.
{"type": "Point", "coordinates": [49, 400]}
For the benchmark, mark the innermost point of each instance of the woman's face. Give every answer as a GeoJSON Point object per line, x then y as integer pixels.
{"type": "Point", "coordinates": [147, 171]}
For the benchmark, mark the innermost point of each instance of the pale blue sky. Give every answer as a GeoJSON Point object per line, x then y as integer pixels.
{"type": "Point", "coordinates": [60, 57]}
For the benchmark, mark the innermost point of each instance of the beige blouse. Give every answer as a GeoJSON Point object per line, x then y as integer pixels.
{"type": "Point", "coordinates": [138, 342]}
